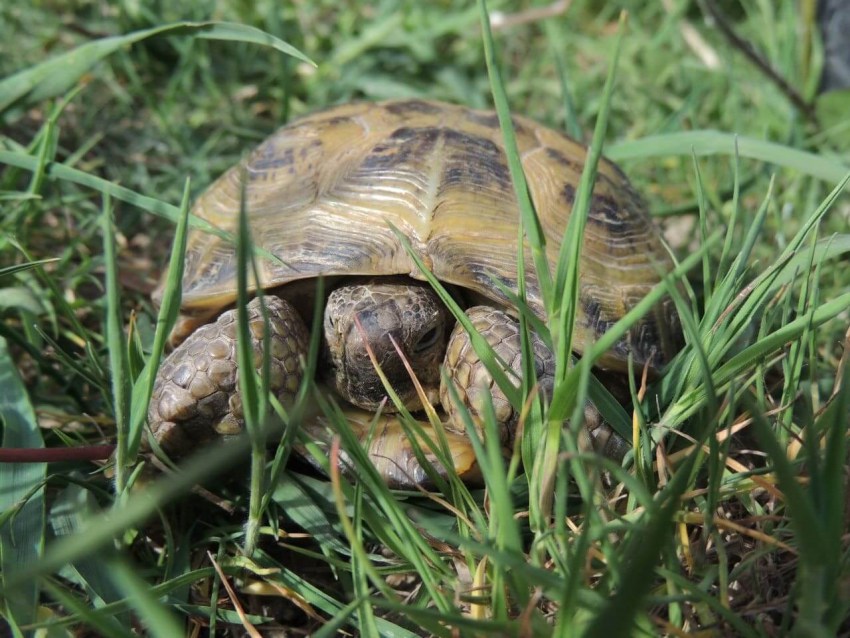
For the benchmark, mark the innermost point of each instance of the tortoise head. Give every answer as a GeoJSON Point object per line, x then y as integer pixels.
{"type": "Point", "coordinates": [400, 324]}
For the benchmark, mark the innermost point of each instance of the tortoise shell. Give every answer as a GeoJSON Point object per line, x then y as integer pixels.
{"type": "Point", "coordinates": [324, 192]}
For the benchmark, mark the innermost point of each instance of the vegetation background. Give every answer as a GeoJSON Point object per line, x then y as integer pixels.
{"type": "Point", "coordinates": [745, 536]}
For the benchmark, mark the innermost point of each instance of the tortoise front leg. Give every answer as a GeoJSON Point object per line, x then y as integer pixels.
{"type": "Point", "coordinates": [469, 375]}
{"type": "Point", "coordinates": [196, 394]}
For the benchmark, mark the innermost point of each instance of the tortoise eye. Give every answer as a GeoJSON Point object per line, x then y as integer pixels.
{"type": "Point", "coordinates": [428, 340]}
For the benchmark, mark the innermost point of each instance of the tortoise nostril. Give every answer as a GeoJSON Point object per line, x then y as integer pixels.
{"type": "Point", "coordinates": [428, 340]}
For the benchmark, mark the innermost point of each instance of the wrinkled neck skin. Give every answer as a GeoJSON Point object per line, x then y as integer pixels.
{"type": "Point", "coordinates": [396, 321]}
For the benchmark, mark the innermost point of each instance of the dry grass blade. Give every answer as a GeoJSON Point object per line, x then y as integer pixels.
{"type": "Point", "coordinates": [250, 629]}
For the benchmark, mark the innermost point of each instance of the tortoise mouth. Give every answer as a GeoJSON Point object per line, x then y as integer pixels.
{"type": "Point", "coordinates": [373, 348]}
{"type": "Point", "coordinates": [370, 393]}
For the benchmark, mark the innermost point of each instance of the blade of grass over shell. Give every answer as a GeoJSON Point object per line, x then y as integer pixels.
{"type": "Point", "coordinates": [613, 412]}
{"type": "Point", "coordinates": [116, 343]}
{"type": "Point", "coordinates": [530, 224]}
{"type": "Point", "coordinates": [302, 408]}
{"type": "Point", "coordinates": [529, 229]}
{"type": "Point", "coordinates": [59, 74]}
{"type": "Point", "coordinates": [253, 391]}
{"type": "Point", "coordinates": [168, 312]}
{"type": "Point", "coordinates": [569, 256]}
{"type": "Point", "coordinates": [22, 496]}
{"type": "Point", "coordinates": [611, 336]}
{"type": "Point", "coordinates": [564, 311]}
{"type": "Point", "coordinates": [416, 436]}
{"type": "Point", "coordinates": [374, 483]}
{"type": "Point", "coordinates": [479, 344]}
{"type": "Point", "coordinates": [607, 340]}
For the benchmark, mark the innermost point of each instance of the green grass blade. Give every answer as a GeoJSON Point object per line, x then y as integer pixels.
{"type": "Point", "coordinates": [832, 503]}
{"type": "Point", "coordinates": [616, 332]}
{"type": "Point", "coordinates": [640, 554]}
{"type": "Point", "coordinates": [236, 32]}
{"type": "Point", "coordinates": [253, 389]}
{"type": "Point", "coordinates": [718, 143]}
{"type": "Point", "coordinates": [157, 207]}
{"type": "Point", "coordinates": [116, 343]}
{"type": "Point", "coordinates": [479, 344]}
{"type": "Point", "coordinates": [47, 146]}
{"type": "Point", "coordinates": [67, 514]}
{"type": "Point", "coordinates": [80, 611]}
{"type": "Point", "coordinates": [69, 174]}
{"type": "Point", "coordinates": [16, 268]}
{"type": "Point", "coordinates": [569, 256]}
{"type": "Point", "coordinates": [57, 75]}
{"type": "Point", "coordinates": [99, 531]}
{"type": "Point", "coordinates": [555, 34]}
{"type": "Point", "coordinates": [767, 346]}
{"type": "Point", "coordinates": [158, 620]}
{"type": "Point", "coordinates": [733, 220]}
{"type": "Point", "coordinates": [22, 496]}
{"type": "Point", "coordinates": [816, 559]}
{"type": "Point", "coordinates": [167, 317]}
{"type": "Point", "coordinates": [563, 313]}
{"type": "Point", "coordinates": [530, 223]}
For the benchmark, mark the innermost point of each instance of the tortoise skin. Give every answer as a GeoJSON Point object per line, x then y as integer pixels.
{"type": "Point", "coordinates": [325, 193]}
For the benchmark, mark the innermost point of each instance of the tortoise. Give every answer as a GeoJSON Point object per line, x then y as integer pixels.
{"type": "Point", "coordinates": [328, 195]}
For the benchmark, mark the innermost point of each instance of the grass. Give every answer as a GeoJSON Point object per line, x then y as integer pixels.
{"type": "Point", "coordinates": [731, 517]}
